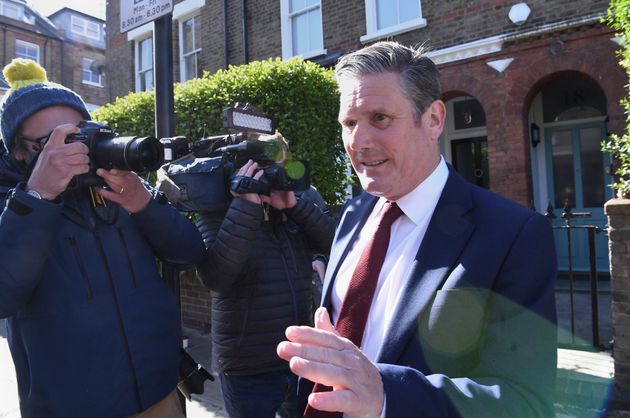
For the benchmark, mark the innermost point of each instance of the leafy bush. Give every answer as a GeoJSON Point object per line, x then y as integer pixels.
{"type": "Point", "coordinates": [301, 96]}
{"type": "Point", "coordinates": [619, 146]}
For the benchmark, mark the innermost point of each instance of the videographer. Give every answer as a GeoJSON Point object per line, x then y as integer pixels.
{"type": "Point", "coordinates": [93, 329]}
{"type": "Point", "coordinates": [258, 266]}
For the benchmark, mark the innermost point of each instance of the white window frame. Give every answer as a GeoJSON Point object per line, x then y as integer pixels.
{"type": "Point", "coordinates": [18, 8]}
{"type": "Point", "coordinates": [89, 69]}
{"type": "Point", "coordinates": [138, 71]}
{"type": "Point", "coordinates": [183, 55]}
{"type": "Point", "coordinates": [286, 28]}
{"type": "Point", "coordinates": [27, 45]}
{"type": "Point", "coordinates": [84, 24]}
{"type": "Point", "coordinates": [374, 33]}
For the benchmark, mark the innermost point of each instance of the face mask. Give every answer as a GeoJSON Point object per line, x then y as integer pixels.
{"type": "Point", "coordinates": [28, 163]}
{"type": "Point", "coordinates": [31, 159]}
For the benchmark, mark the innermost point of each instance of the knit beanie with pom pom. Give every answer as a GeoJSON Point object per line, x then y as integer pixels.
{"type": "Point", "coordinates": [31, 92]}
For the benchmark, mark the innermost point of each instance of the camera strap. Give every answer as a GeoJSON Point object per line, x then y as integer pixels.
{"type": "Point", "coordinates": [106, 213]}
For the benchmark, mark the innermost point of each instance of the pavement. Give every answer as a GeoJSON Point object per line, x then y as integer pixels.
{"type": "Point", "coordinates": [585, 373]}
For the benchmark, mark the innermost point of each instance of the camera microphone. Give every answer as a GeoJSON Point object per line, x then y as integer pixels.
{"type": "Point", "coordinates": [242, 147]}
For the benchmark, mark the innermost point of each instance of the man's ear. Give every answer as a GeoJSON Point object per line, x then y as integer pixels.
{"type": "Point", "coordinates": [436, 118]}
{"type": "Point", "coordinates": [18, 152]}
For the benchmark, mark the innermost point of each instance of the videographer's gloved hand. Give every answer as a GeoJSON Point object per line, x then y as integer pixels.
{"type": "Point", "coordinates": [126, 189]}
{"type": "Point", "coordinates": [58, 163]}
{"type": "Point", "coordinates": [250, 169]}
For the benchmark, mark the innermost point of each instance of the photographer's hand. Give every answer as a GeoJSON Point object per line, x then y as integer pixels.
{"type": "Point", "coordinates": [126, 189]}
{"type": "Point", "coordinates": [280, 199]}
{"type": "Point", "coordinates": [58, 163]}
{"type": "Point", "coordinates": [250, 169]}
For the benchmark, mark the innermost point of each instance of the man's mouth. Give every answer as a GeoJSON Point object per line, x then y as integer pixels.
{"type": "Point", "coordinates": [373, 163]}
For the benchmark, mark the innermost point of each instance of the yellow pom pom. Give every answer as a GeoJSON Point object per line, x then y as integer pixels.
{"type": "Point", "coordinates": [23, 72]}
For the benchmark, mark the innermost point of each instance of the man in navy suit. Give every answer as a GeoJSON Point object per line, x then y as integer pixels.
{"type": "Point", "coordinates": [462, 321]}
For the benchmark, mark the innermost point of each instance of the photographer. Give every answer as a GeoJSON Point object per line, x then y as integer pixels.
{"type": "Point", "coordinates": [93, 329]}
{"type": "Point", "coordinates": [258, 266]}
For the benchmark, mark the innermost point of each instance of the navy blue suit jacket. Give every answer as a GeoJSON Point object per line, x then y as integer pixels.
{"type": "Point", "coordinates": [474, 334]}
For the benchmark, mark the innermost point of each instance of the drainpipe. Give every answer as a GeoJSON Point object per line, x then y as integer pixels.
{"type": "Point", "coordinates": [62, 62]}
{"type": "Point", "coordinates": [245, 47]}
{"type": "Point", "coordinates": [226, 52]}
{"type": "Point", "coordinates": [45, 51]}
{"type": "Point", "coordinates": [4, 45]}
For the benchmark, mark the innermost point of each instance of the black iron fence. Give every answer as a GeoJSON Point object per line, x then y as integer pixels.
{"type": "Point", "coordinates": [569, 228]}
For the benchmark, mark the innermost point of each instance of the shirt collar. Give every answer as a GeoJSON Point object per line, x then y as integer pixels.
{"type": "Point", "coordinates": [424, 197]}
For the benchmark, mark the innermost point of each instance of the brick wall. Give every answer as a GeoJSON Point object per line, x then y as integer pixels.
{"type": "Point", "coordinates": [448, 23]}
{"type": "Point", "coordinates": [62, 61]}
{"type": "Point", "coordinates": [195, 302]}
{"type": "Point", "coordinates": [49, 49]}
{"type": "Point", "coordinates": [506, 97]}
{"type": "Point", "coordinates": [73, 72]}
{"type": "Point", "coordinates": [618, 211]}
{"type": "Point", "coordinates": [120, 65]}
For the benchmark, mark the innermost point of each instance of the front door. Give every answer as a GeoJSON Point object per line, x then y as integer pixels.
{"type": "Point", "coordinates": [577, 179]}
{"type": "Point", "coordinates": [470, 159]}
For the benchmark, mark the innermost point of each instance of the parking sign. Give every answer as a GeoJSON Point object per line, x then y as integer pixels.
{"type": "Point", "coordinates": [134, 13]}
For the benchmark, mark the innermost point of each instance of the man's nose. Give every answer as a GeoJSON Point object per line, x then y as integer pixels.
{"type": "Point", "coordinates": [360, 137]}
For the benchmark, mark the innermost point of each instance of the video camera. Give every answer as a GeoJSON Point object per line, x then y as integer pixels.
{"type": "Point", "coordinates": [108, 151]}
{"type": "Point", "coordinates": [200, 174]}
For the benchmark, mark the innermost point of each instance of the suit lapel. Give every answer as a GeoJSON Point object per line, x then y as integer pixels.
{"type": "Point", "coordinates": [446, 236]}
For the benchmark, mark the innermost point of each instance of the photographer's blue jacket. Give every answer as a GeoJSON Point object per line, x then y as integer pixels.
{"type": "Point", "coordinates": [93, 329]}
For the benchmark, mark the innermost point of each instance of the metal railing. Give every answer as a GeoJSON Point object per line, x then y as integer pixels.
{"type": "Point", "coordinates": [568, 215]}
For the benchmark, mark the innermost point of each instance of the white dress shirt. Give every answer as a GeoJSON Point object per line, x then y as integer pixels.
{"type": "Point", "coordinates": [407, 234]}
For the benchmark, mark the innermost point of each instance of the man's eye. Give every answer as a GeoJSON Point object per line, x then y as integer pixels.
{"type": "Point", "coordinates": [380, 120]}
{"type": "Point", "coordinates": [348, 124]}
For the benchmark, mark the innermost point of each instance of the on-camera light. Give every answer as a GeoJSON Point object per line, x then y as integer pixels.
{"type": "Point", "coordinates": [247, 118]}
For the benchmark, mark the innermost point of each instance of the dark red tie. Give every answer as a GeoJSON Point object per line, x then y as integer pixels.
{"type": "Point", "coordinates": [356, 305]}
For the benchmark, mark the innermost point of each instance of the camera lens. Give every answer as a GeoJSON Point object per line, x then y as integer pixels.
{"type": "Point", "coordinates": [128, 153]}
{"type": "Point", "coordinates": [144, 154]}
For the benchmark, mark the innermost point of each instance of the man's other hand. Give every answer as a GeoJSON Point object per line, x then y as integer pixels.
{"type": "Point", "coordinates": [321, 355]}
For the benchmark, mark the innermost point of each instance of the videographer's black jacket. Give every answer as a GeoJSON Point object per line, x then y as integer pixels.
{"type": "Point", "coordinates": [260, 274]}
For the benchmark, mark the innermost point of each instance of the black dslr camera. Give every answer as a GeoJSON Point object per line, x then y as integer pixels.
{"type": "Point", "coordinates": [108, 150]}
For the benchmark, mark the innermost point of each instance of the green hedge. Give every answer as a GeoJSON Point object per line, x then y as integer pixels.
{"type": "Point", "coordinates": [301, 96]}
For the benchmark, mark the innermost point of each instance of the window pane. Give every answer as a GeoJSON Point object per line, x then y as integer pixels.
{"type": "Point", "coordinates": [592, 167]}
{"type": "Point", "coordinates": [296, 5]}
{"type": "Point", "coordinates": [315, 30]}
{"type": "Point", "coordinates": [562, 166]}
{"type": "Point", "coordinates": [468, 114]}
{"type": "Point", "coordinates": [572, 99]}
{"type": "Point", "coordinates": [188, 35]}
{"type": "Point", "coordinates": [146, 54]}
{"type": "Point", "coordinates": [86, 73]}
{"type": "Point", "coordinates": [78, 25]}
{"type": "Point", "coordinates": [26, 50]}
{"type": "Point", "coordinates": [385, 14]}
{"type": "Point", "coordinates": [408, 10]}
{"type": "Point", "coordinates": [92, 30]}
{"type": "Point", "coordinates": [190, 67]}
{"type": "Point", "coordinates": [11, 11]}
{"type": "Point", "coordinates": [300, 34]}
{"type": "Point", "coordinates": [146, 80]}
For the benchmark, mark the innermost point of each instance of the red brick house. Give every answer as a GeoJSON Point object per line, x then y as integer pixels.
{"type": "Point", "coordinates": [531, 87]}
{"type": "Point", "coordinates": [69, 44]}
